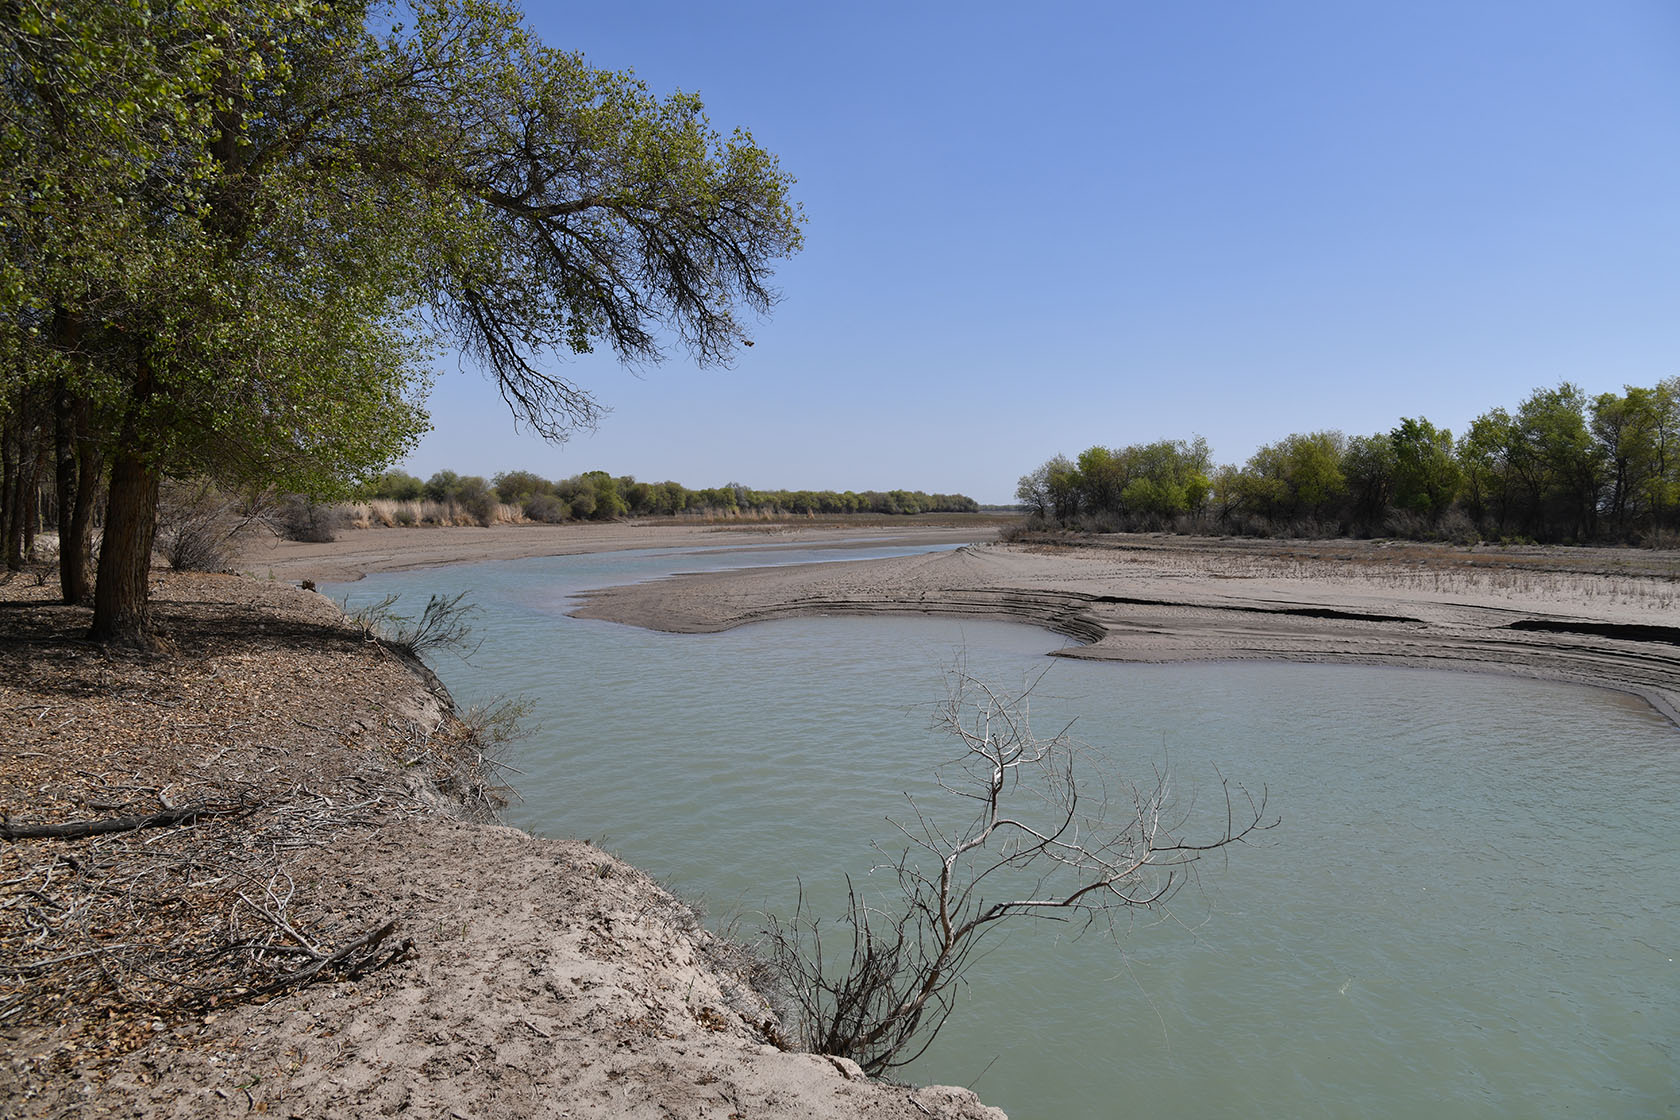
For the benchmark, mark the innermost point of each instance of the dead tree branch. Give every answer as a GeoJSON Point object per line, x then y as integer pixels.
{"type": "Point", "coordinates": [81, 830]}
{"type": "Point", "coordinates": [1047, 840]}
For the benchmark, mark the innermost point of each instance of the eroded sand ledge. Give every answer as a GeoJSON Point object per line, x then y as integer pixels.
{"type": "Point", "coordinates": [1606, 618]}
{"type": "Point", "coordinates": [535, 977]}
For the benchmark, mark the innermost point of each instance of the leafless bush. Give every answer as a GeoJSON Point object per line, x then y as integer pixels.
{"type": "Point", "coordinates": [199, 525]}
{"type": "Point", "coordinates": [301, 518]}
{"type": "Point", "coordinates": [1047, 841]}
{"type": "Point", "coordinates": [470, 764]}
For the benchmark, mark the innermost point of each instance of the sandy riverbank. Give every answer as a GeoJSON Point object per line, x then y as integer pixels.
{"type": "Point", "coordinates": [304, 926]}
{"type": "Point", "coordinates": [1604, 617]}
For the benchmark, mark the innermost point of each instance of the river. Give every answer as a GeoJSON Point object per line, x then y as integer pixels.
{"type": "Point", "coordinates": [1470, 908]}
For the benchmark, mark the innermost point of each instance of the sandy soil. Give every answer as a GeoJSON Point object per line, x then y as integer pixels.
{"type": "Point", "coordinates": [1601, 617]}
{"type": "Point", "coordinates": [326, 938]}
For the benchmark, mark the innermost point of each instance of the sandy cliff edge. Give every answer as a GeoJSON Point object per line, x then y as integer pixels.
{"type": "Point", "coordinates": [526, 977]}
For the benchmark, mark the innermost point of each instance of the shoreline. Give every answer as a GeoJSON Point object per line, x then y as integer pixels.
{"type": "Point", "coordinates": [1607, 618]}
{"type": "Point", "coordinates": [337, 927]}
{"type": "Point", "coordinates": [357, 552]}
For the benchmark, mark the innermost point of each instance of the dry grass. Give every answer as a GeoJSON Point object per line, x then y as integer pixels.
{"type": "Point", "coordinates": [390, 513]}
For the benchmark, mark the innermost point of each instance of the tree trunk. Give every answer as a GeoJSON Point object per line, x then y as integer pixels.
{"type": "Point", "coordinates": [78, 469]}
{"type": "Point", "coordinates": [90, 470]}
{"type": "Point", "coordinates": [120, 609]}
{"type": "Point", "coordinates": [64, 486]}
{"type": "Point", "coordinates": [32, 497]}
{"type": "Point", "coordinates": [121, 612]}
{"type": "Point", "coordinates": [11, 488]}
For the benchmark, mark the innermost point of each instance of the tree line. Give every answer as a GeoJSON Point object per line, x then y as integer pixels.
{"type": "Point", "coordinates": [598, 496]}
{"type": "Point", "coordinates": [1562, 467]}
{"type": "Point", "coordinates": [237, 233]}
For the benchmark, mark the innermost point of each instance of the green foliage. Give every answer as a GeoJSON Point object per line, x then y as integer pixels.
{"type": "Point", "coordinates": [599, 496]}
{"type": "Point", "coordinates": [1558, 468]}
{"type": "Point", "coordinates": [443, 624]}
{"type": "Point", "coordinates": [237, 232]}
{"type": "Point", "coordinates": [1141, 485]}
{"type": "Point", "coordinates": [1638, 434]}
{"type": "Point", "coordinates": [396, 486]}
{"type": "Point", "coordinates": [1299, 477]}
{"type": "Point", "coordinates": [443, 486]}
{"type": "Point", "coordinates": [475, 497]}
{"type": "Point", "coordinates": [1368, 467]}
{"type": "Point", "coordinates": [1426, 476]}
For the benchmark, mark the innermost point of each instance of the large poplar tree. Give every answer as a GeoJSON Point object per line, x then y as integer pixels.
{"type": "Point", "coordinates": [234, 230]}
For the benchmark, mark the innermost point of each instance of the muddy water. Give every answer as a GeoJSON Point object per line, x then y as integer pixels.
{"type": "Point", "coordinates": [1471, 907]}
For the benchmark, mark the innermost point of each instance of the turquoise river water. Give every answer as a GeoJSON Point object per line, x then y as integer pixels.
{"type": "Point", "coordinates": [1471, 907]}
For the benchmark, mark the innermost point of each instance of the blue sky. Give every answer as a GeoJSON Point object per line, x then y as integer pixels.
{"type": "Point", "coordinates": [1032, 231]}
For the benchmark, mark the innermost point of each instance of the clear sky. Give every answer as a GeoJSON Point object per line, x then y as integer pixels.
{"type": "Point", "coordinates": [1035, 228]}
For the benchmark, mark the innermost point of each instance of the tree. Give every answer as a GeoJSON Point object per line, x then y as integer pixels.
{"type": "Point", "coordinates": [1047, 842]}
{"type": "Point", "coordinates": [1368, 465]}
{"type": "Point", "coordinates": [1063, 481]}
{"type": "Point", "coordinates": [1665, 440]}
{"type": "Point", "coordinates": [1299, 476]}
{"type": "Point", "coordinates": [1166, 478]}
{"type": "Point", "coordinates": [1102, 479]}
{"type": "Point", "coordinates": [1486, 457]}
{"type": "Point", "coordinates": [1033, 492]}
{"type": "Point", "coordinates": [1636, 436]}
{"type": "Point", "coordinates": [239, 247]}
{"type": "Point", "coordinates": [397, 486]}
{"type": "Point", "coordinates": [1426, 475]}
{"type": "Point", "coordinates": [514, 487]}
{"type": "Point", "coordinates": [1559, 463]}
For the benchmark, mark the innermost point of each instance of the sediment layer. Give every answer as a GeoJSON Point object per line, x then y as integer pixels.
{"type": "Point", "coordinates": [1603, 619]}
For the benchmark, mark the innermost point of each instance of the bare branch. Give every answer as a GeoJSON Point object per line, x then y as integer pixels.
{"type": "Point", "coordinates": [1046, 842]}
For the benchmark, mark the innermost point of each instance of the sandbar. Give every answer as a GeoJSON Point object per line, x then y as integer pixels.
{"type": "Point", "coordinates": [1601, 617]}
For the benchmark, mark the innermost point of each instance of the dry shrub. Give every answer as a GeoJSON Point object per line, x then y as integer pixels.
{"type": "Point", "coordinates": [547, 508]}
{"type": "Point", "coordinates": [301, 518]}
{"type": "Point", "coordinates": [200, 525]}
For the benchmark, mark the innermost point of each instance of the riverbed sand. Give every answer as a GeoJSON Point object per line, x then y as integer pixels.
{"type": "Point", "coordinates": [1603, 617]}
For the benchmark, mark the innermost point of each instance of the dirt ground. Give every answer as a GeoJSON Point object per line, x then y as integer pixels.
{"type": "Point", "coordinates": [298, 919]}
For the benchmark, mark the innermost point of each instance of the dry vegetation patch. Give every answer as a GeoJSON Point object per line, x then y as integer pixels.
{"type": "Point", "coordinates": [182, 792]}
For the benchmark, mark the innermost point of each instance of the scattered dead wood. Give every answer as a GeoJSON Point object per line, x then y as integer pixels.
{"type": "Point", "coordinates": [81, 830]}
{"type": "Point", "coordinates": [175, 811]}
